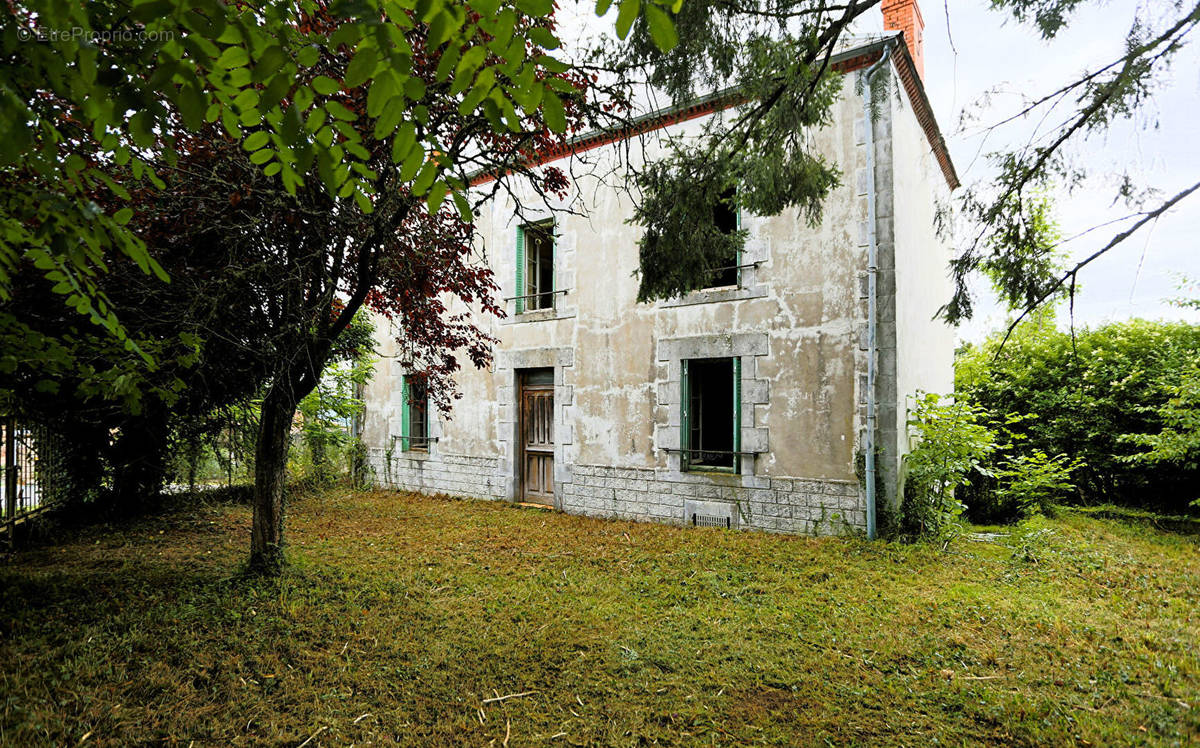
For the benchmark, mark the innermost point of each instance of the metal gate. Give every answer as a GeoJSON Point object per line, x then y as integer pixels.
{"type": "Point", "coordinates": [32, 481]}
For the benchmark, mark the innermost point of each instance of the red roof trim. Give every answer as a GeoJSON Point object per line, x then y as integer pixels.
{"type": "Point", "coordinates": [591, 142]}
{"type": "Point", "coordinates": [907, 70]}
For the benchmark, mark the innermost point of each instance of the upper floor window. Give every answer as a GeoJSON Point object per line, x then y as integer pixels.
{"type": "Point", "coordinates": [728, 220]}
{"type": "Point", "coordinates": [535, 266]}
{"type": "Point", "coordinates": [415, 426]}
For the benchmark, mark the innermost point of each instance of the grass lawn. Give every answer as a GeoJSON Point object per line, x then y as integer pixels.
{"type": "Point", "coordinates": [408, 619]}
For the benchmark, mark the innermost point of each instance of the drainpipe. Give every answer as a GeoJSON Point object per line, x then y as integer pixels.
{"type": "Point", "coordinates": [872, 271]}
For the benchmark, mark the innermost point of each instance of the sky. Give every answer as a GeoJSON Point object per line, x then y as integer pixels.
{"type": "Point", "coordinates": [971, 50]}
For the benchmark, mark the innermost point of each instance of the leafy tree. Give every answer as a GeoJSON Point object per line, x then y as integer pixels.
{"type": "Point", "coordinates": [304, 266]}
{"type": "Point", "coordinates": [85, 86]}
{"type": "Point", "coordinates": [1025, 254]}
{"type": "Point", "coordinates": [119, 414]}
{"type": "Point", "coordinates": [329, 146]}
{"type": "Point", "coordinates": [1003, 215]}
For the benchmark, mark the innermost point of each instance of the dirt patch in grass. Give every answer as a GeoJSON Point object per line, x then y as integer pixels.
{"type": "Point", "coordinates": [423, 621]}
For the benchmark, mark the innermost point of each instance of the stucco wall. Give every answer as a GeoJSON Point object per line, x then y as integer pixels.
{"type": "Point", "coordinates": [924, 344]}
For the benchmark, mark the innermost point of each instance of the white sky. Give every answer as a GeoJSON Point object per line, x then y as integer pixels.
{"type": "Point", "coordinates": [1162, 148]}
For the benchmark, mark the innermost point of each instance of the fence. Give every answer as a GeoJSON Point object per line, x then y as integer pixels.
{"type": "Point", "coordinates": [32, 481]}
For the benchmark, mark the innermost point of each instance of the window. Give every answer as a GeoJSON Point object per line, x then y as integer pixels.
{"type": "Point", "coordinates": [711, 418]}
{"type": "Point", "coordinates": [535, 266]}
{"type": "Point", "coordinates": [415, 436]}
{"type": "Point", "coordinates": [727, 218]}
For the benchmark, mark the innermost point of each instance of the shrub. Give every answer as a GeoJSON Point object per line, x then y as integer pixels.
{"type": "Point", "coordinates": [1101, 397]}
{"type": "Point", "coordinates": [1178, 443]}
{"type": "Point", "coordinates": [1035, 483]}
{"type": "Point", "coordinates": [950, 443]}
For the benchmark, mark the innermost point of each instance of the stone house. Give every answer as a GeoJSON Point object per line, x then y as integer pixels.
{"type": "Point", "coordinates": [774, 400]}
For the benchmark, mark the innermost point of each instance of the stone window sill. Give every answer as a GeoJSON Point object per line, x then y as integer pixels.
{"type": "Point", "coordinates": [412, 454]}
{"type": "Point", "coordinates": [716, 295]}
{"type": "Point", "coordinates": [541, 315]}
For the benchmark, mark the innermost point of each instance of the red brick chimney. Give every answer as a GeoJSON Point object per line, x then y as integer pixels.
{"type": "Point", "coordinates": [905, 15]}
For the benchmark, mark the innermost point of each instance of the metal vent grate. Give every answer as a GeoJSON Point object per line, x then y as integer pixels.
{"type": "Point", "coordinates": [707, 520]}
{"type": "Point", "coordinates": [710, 514]}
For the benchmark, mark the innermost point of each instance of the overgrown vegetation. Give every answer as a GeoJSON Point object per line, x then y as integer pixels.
{"type": "Point", "coordinates": [1035, 483]}
{"type": "Point", "coordinates": [1178, 443]}
{"type": "Point", "coordinates": [403, 619]}
{"type": "Point", "coordinates": [1111, 402]}
{"type": "Point", "coordinates": [950, 442]}
{"type": "Point", "coordinates": [1044, 417]}
{"type": "Point", "coordinates": [319, 153]}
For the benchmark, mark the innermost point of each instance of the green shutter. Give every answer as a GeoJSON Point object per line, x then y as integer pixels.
{"type": "Point", "coordinates": [520, 269]}
{"type": "Point", "coordinates": [685, 417]}
{"type": "Point", "coordinates": [553, 261]}
{"type": "Point", "coordinates": [406, 414]}
{"type": "Point", "coordinates": [737, 413]}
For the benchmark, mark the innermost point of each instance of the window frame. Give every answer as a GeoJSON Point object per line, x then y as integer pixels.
{"type": "Point", "coordinates": [407, 438]}
{"type": "Point", "coordinates": [524, 294]}
{"type": "Point", "coordinates": [685, 418]}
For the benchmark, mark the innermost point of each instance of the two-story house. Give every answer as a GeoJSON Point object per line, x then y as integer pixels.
{"type": "Point", "coordinates": [774, 400]}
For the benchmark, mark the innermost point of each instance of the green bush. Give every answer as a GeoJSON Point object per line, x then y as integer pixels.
{"type": "Point", "coordinates": [1035, 483]}
{"type": "Point", "coordinates": [1100, 398]}
{"type": "Point", "coordinates": [1178, 443]}
{"type": "Point", "coordinates": [950, 443]}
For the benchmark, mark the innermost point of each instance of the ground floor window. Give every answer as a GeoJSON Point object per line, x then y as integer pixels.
{"type": "Point", "coordinates": [415, 435]}
{"type": "Point", "coordinates": [711, 413]}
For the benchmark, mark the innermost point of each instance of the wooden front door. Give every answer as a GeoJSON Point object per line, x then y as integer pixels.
{"type": "Point", "coordinates": [537, 440]}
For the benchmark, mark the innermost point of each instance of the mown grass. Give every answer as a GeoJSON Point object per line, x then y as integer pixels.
{"type": "Point", "coordinates": [402, 615]}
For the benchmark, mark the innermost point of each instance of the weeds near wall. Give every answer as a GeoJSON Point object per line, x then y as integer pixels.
{"type": "Point", "coordinates": [951, 443]}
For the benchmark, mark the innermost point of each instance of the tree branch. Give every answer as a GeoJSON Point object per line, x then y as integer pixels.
{"type": "Point", "coordinates": [1071, 274]}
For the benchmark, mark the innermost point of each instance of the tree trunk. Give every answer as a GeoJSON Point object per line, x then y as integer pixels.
{"type": "Point", "coordinates": [270, 466]}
